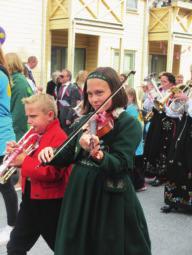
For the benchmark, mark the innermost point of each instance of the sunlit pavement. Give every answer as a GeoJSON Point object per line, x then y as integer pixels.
{"type": "Point", "coordinates": [171, 234]}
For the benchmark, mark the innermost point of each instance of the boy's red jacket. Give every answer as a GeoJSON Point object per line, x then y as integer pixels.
{"type": "Point", "coordinates": [47, 182]}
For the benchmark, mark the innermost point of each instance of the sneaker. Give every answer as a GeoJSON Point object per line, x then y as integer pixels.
{"type": "Point", "coordinates": [5, 234]}
{"type": "Point", "coordinates": [142, 188]}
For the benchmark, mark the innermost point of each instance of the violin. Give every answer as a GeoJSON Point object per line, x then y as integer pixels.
{"type": "Point", "coordinates": [101, 124]}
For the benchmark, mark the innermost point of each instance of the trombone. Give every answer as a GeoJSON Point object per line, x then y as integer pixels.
{"type": "Point", "coordinates": [159, 104]}
{"type": "Point", "coordinates": [5, 170]}
{"type": "Point", "coordinates": [151, 78]}
{"type": "Point", "coordinates": [183, 88]}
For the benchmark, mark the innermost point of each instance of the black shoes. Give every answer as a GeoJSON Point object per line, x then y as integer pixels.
{"type": "Point", "coordinates": [157, 182]}
{"type": "Point", "coordinates": [168, 208]}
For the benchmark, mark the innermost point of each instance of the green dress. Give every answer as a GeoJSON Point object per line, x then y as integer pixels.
{"type": "Point", "coordinates": [101, 214]}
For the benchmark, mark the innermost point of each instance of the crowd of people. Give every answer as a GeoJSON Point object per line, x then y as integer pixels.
{"type": "Point", "coordinates": [91, 150]}
{"type": "Point", "coordinates": [164, 3]}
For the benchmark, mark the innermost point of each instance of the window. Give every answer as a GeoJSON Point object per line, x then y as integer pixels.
{"type": "Point", "coordinates": [157, 63]}
{"type": "Point", "coordinates": [131, 4]}
{"type": "Point", "coordinates": [80, 58]}
{"type": "Point", "coordinates": [59, 59]}
{"type": "Point", "coordinates": [116, 59]}
{"type": "Point", "coordinates": [128, 63]}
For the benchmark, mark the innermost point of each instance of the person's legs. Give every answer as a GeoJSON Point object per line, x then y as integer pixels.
{"type": "Point", "coordinates": [49, 216]}
{"type": "Point", "coordinates": [26, 232]}
{"type": "Point", "coordinates": [11, 204]}
{"type": "Point", "coordinates": [11, 201]}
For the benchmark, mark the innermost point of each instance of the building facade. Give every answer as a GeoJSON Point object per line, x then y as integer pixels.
{"type": "Point", "coordinates": [83, 34]}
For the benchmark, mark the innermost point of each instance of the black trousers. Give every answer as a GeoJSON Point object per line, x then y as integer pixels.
{"type": "Point", "coordinates": [35, 218]}
{"type": "Point", "coordinates": [10, 198]}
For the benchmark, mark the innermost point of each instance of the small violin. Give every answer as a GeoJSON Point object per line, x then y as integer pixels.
{"type": "Point", "coordinates": [102, 124]}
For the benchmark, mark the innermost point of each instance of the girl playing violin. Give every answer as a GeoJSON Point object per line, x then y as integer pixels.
{"type": "Point", "coordinates": [101, 214]}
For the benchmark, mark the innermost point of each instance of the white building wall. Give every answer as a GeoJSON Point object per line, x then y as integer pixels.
{"type": "Point", "coordinates": [22, 22]}
{"type": "Point", "coordinates": [186, 61]}
{"type": "Point", "coordinates": [133, 40]}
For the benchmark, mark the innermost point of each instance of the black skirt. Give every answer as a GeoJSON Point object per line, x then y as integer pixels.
{"type": "Point", "coordinates": [178, 189]}
{"type": "Point", "coordinates": [161, 132]}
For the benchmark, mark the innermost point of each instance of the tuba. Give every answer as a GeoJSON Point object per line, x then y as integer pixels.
{"type": "Point", "coordinates": [5, 170]}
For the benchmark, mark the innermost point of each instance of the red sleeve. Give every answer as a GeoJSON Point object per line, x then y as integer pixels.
{"type": "Point", "coordinates": [32, 168]}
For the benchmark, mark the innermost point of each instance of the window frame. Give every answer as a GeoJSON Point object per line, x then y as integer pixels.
{"type": "Point", "coordinates": [132, 65]}
{"type": "Point", "coordinates": [128, 8]}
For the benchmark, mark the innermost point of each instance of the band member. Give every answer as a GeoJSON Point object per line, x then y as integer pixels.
{"type": "Point", "coordinates": [178, 188]}
{"type": "Point", "coordinates": [101, 213]}
{"type": "Point", "coordinates": [42, 186]}
{"type": "Point", "coordinates": [160, 133]}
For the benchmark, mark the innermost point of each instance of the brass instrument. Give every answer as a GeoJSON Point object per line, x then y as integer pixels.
{"type": "Point", "coordinates": [187, 88]}
{"type": "Point", "coordinates": [148, 116]}
{"type": "Point", "coordinates": [5, 171]}
{"type": "Point", "coordinates": [151, 78]}
{"type": "Point", "coordinates": [159, 104]}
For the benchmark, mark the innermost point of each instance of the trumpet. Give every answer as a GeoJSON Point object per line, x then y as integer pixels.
{"type": "Point", "coordinates": [5, 171]}
{"type": "Point", "coordinates": [159, 104]}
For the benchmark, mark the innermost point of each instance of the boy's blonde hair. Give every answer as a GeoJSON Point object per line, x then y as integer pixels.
{"type": "Point", "coordinates": [46, 102]}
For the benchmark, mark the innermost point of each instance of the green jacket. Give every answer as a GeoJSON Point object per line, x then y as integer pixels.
{"type": "Point", "coordinates": [20, 89]}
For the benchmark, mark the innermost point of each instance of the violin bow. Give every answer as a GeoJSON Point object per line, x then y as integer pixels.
{"type": "Point", "coordinates": [76, 132]}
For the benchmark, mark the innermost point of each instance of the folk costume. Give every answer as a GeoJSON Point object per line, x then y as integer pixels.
{"type": "Point", "coordinates": [101, 213]}
{"type": "Point", "coordinates": [178, 188]}
{"type": "Point", "coordinates": [162, 131]}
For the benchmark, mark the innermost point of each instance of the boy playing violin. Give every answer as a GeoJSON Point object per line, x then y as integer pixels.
{"type": "Point", "coordinates": [100, 213]}
{"type": "Point", "coordinates": [42, 186]}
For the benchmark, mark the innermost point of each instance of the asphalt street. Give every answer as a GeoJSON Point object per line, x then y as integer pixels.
{"type": "Point", "coordinates": [170, 234]}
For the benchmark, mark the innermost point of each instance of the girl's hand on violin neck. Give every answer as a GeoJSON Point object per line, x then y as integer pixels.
{"type": "Point", "coordinates": [87, 141]}
{"type": "Point", "coordinates": [90, 143]}
{"type": "Point", "coordinates": [46, 155]}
